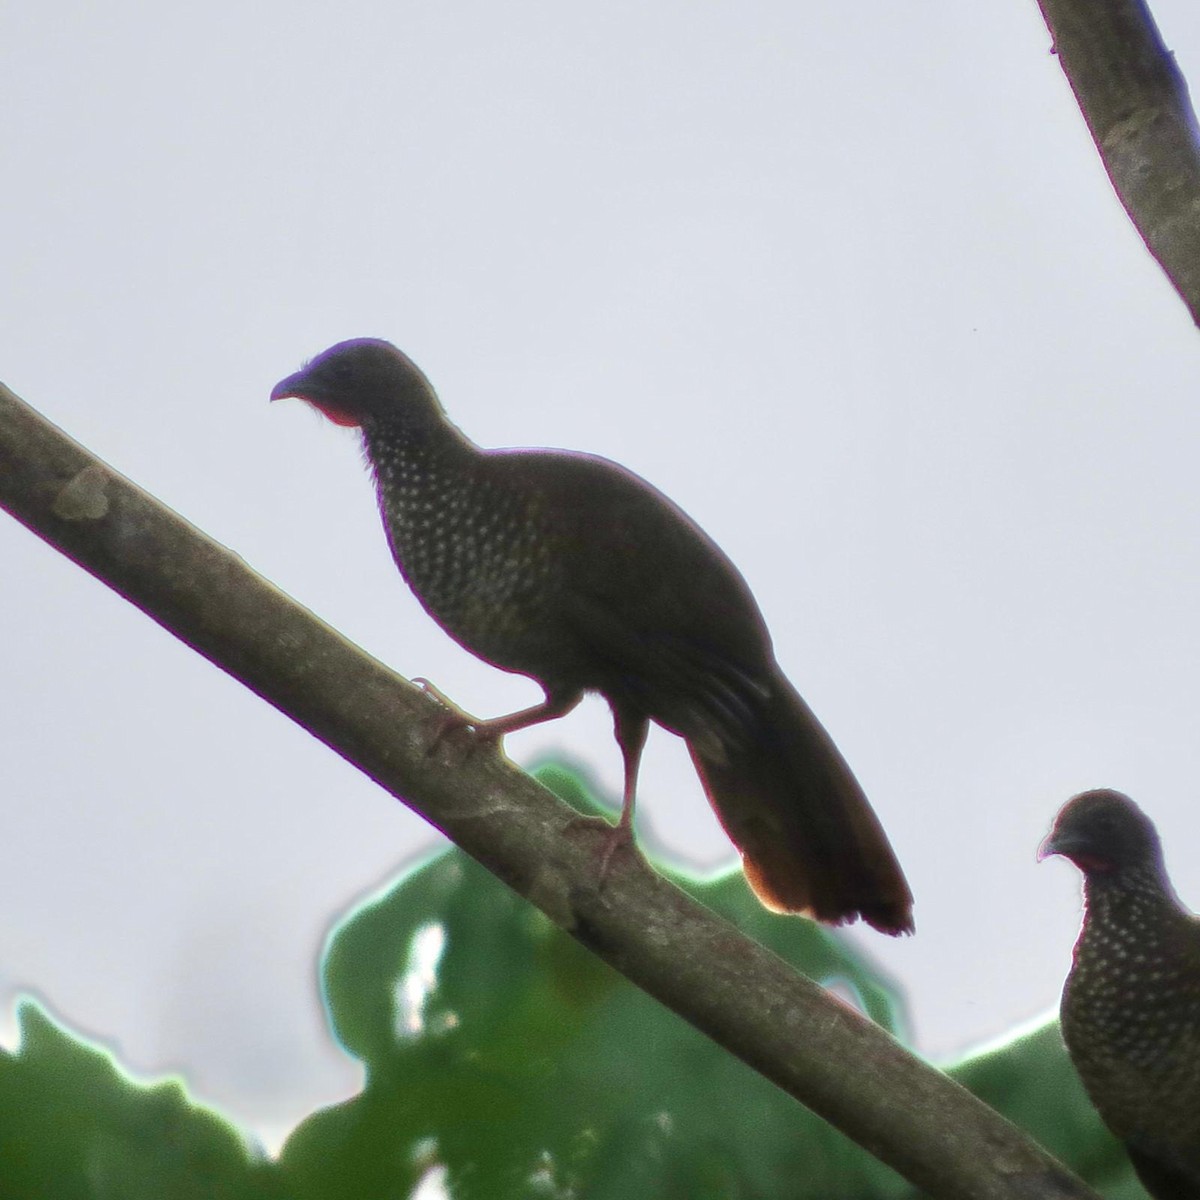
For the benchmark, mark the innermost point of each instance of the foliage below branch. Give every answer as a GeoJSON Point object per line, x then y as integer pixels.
{"type": "Point", "coordinates": [506, 1059]}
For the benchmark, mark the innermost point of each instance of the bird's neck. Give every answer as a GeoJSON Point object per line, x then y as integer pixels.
{"type": "Point", "coordinates": [417, 453]}
{"type": "Point", "coordinates": [434, 497]}
{"type": "Point", "coordinates": [465, 538]}
{"type": "Point", "coordinates": [1131, 982]}
{"type": "Point", "coordinates": [1134, 898]}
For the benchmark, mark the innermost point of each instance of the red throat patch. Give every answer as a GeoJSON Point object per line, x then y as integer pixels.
{"type": "Point", "coordinates": [339, 416]}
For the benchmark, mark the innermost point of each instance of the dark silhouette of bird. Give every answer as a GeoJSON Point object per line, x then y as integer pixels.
{"type": "Point", "coordinates": [571, 570]}
{"type": "Point", "coordinates": [1131, 1004]}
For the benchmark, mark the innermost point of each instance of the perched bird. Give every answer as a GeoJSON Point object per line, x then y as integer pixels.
{"type": "Point", "coordinates": [572, 570]}
{"type": "Point", "coordinates": [1131, 1005]}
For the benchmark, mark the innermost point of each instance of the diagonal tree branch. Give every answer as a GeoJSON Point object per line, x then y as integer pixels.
{"type": "Point", "coordinates": [836, 1062]}
{"type": "Point", "coordinates": [1136, 105]}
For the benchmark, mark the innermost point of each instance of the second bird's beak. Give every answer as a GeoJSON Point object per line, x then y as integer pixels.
{"type": "Point", "coordinates": [1048, 848]}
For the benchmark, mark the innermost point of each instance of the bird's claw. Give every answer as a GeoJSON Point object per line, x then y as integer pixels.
{"type": "Point", "coordinates": [612, 838]}
{"type": "Point", "coordinates": [431, 689]}
{"type": "Point", "coordinates": [619, 837]}
{"type": "Point", "coordinates": [451, 720]}
{"type": "Point", "coordinates": [443, 726]}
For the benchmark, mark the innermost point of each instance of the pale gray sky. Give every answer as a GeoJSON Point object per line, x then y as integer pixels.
{"type": "Point", "coordinates": [851, 287]}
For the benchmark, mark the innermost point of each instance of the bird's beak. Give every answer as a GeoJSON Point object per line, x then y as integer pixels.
{"type": "Point", "coordinates": [1048, 848]}
{"type": "Point", "coordinates": [293, 385]}
{"type": "Point", "coordinates": [1069, 845]}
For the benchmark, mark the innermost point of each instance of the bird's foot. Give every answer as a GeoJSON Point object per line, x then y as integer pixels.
{"type": "Point", "coordinates": [610, 841]}
{"type": "Point", "coordinates": [431, 689]}
{"type": "Point", "coordinates": [452, 721]}
{"type": "Point", "coordinates": [618, 840]}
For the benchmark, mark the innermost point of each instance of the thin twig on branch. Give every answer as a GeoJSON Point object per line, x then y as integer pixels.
{"type": "Point", "coordinates": [827, 1056]}
{"type": "Point", "coordinates": [1136, 105]}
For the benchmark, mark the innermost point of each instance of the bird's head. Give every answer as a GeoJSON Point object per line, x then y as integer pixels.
{"type": "Point", "coordinates": [355, 381]}
{"type": "Point", "coordinates": [1103, 832]}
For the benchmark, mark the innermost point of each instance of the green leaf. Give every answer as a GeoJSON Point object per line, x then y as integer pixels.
{"type": "Point", "coordinates": [73, 1125]}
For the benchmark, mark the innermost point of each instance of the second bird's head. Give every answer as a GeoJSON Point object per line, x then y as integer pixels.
{"type": "Point", "coordinates": [1103, 833]}
{"type": "Point", "coordinates": [356, 382]}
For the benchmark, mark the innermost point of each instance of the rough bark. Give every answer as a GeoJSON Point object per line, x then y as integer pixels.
{"type": "Point", "coordinates": [1136, 105]}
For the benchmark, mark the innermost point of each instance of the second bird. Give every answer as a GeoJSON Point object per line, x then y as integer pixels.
{"type": "Point", "coordinates": [1131, 1005]}
{"type": "Point", "coordinates": [572, 570]}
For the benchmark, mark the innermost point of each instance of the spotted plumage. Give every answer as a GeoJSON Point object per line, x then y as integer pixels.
{"type": "Point", "coordinates": [474, 551]}
{"type": "Point", "coordinates": [1131, 1004]}
{"type": "Point", "coordinates": [572, 570]}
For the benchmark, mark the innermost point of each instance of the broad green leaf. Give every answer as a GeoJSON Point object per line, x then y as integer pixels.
{"type": "Point", "coordinates": [74, 1126]}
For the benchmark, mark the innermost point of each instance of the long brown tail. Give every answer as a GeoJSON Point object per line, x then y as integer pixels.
{"type": "Point", "coordinates": [809, 840]}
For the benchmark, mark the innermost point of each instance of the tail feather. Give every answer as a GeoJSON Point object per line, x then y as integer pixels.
{"type": "Point", "coordinates": [809, 839]}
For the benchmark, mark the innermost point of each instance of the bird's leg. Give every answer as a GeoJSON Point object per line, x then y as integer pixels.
{"type": "Point", "coordinates": [453, 718]}
{"type": "Point", "coordinates": [631, 734]}
{"type": "Point", "coordinates": [631, 730]}
{"type": "Point", "coordinates": [556, 704]}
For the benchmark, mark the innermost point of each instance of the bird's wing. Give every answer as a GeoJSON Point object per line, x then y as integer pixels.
{"type": "Point", "coordinates": [650, 596]}
{"type": "Point", "coordinates": [688, 686]}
